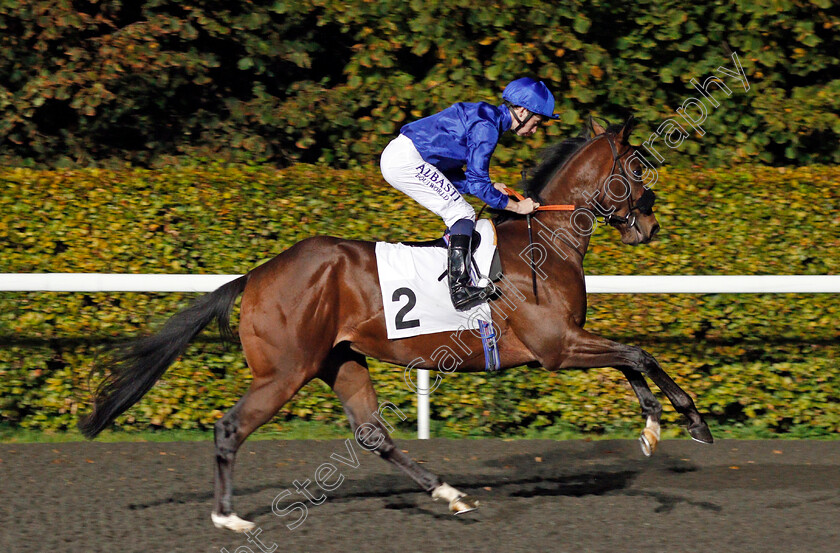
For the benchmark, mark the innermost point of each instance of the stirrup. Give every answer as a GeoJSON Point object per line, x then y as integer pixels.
{"type": "Point", "coordinates": [471, 296]}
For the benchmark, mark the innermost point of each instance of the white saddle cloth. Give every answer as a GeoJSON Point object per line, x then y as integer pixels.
{"type": "Point", "coordinates": [415, 301]}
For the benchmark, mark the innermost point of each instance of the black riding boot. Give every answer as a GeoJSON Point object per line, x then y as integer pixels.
{"type": "Point", "coordinates": [464, 296]}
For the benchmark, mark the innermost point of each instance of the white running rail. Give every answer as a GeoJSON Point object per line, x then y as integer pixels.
{"type": "Point", "coordinates": [596, 284]}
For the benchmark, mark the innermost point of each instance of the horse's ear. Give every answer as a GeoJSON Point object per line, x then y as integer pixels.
{"type": "Point", "coordinates": [626, 130]}
{"type": "Point", "coordinates": [596, 127]}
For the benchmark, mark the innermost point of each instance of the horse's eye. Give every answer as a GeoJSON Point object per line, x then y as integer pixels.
{"type": "Point", "coordinates": [637, 172]}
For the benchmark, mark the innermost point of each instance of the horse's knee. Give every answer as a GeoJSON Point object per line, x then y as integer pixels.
{"type": "Point", "coordinates": [224, 434]}
{"type": "Point", "coordinates": [224, 428]}
{"type": "Point", "coordinates": [641, 361]}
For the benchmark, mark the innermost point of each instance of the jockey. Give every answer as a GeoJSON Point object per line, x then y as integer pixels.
{"type": "Point", "coordinates": [426, 162]}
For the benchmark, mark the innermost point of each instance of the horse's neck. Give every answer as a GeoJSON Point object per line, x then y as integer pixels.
{"type": "Point", "coordinates": [577, 180]}
{"type": "Point", "coordinates": [552, 237]}
{"type": "Point", "coordinates": [565, 230]}
{"type": "Point", "coordinates": [575, 183]}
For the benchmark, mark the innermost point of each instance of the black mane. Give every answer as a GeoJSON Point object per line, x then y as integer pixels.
{"type": "Point", "coordinates": [555, 156]}
{"type": "Point", "coordinates": [551, 160]}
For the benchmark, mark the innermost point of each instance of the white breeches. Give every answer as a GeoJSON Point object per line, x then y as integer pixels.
{"type": "Point", "coordinates": [406, 171]}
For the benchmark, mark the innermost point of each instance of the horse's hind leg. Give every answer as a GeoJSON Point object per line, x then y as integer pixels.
{"type": "Point", "coordinates": [350, 379]}
{"type": "Point", "coordinates": [262, 400]}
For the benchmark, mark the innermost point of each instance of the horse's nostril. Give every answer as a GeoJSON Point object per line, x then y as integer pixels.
{"type": "Point", "coordinates": [655, 230]}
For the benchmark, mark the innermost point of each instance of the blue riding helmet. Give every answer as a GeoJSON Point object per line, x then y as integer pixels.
{"type": "Point", "coordinates": [531, 95]}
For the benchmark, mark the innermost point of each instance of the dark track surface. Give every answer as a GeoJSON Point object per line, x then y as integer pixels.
{"type": "Point", "coordinates": [536, 496]}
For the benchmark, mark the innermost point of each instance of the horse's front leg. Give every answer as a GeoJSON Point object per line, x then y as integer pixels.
{"type": "Point", "coordinates": [651, 410]}
{"type": "Point", "coordinates": [582, 349]}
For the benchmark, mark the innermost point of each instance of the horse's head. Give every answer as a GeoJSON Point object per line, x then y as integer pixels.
{"type": "Point", "coordinates": [625, 192]}
{"type": "Point", "coordinates": [605, 175]}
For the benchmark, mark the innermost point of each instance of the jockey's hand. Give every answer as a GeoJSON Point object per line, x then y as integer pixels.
{"type": "Point", "coordinates": [523, 207]}
{"type": "Point", "coordinates": [501, 188]}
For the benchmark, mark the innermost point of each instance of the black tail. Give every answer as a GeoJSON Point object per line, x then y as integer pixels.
{"type": "Point", "coordinates": [139, 364]}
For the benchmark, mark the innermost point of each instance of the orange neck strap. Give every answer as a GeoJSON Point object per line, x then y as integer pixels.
{"type": "Point", "coordinates": [555, 207]}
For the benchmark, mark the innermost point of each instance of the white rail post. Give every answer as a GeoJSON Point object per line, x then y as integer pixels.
{"type": "Point", "coordinates": [423, 404]}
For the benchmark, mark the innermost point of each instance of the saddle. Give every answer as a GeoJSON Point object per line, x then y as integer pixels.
{"type": "Point", "coordinates": [416, 302]}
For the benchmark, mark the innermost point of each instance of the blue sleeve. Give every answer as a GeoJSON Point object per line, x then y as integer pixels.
{"type": "Point", "coordinates": [457, 178]}
{"type": "Point", "coordinates": [481, 142]}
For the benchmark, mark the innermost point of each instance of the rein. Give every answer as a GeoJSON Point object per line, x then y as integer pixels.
{"type": "Point", "coordinates": [555, 207]}
{"type": "Point", "coordinates": [644, 205]}
{"type": "Point", "coordinates": [552, 207]}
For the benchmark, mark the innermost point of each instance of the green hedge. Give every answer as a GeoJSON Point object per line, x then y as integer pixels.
{"type": "Point", "coordinates": [329, 80]}
{"type": "Point", "coordinates": [768, 361]}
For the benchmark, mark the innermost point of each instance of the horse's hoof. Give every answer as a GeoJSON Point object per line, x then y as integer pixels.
{"type": "Point", "coordinates": [700, 433]}
{"type": "Point", "coordinates": [459, 502]}
{"type": "Point", "coordinates": [232, 522]}
{"type": "Point", "coordinates": [463, 504]}
{"type": "Point", "coordinates": [648, 440]}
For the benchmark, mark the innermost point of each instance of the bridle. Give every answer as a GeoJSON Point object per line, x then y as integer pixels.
{"type": "Point", "coordinates": [643, 205]}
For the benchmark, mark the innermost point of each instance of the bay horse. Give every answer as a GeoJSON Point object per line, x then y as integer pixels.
{"type": "Point", "coordinates": [316, 311]}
